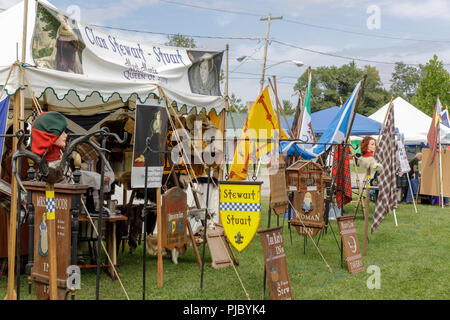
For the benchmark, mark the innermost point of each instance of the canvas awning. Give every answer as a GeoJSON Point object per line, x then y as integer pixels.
{"type": "Point", "coordinates": [101, 68]}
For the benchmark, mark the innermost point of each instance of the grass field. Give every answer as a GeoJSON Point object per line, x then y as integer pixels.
{"type": "Point", "coordinates": [414, 261]}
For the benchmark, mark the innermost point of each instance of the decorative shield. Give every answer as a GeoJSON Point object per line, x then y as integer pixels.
{"type": "Point", "coordinates": [174, 218]}
{"type": "Point", "coordinates": [240, 211]}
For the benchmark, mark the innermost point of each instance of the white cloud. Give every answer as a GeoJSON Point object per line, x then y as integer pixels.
{"type": "Point", "coordinates": [113, 11]}
{"type": "Point", "coordinates": [426, 9]}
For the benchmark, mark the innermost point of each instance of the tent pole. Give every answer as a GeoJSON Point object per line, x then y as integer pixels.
{"type": "Point", "coordinates": [441, 187]}
{"type": "Point", "coordinates": [412, 193]}
{"type": "Point", "coordinates": [18, 114]}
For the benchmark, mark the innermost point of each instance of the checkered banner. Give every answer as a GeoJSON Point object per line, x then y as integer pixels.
{"type": "Point", "coordinates": [50, 204]}
{"type": "Point", "coordinates": [240, 211]}
{"type": "Point", "coordinates": [386, 154]}
{"type": "Point", "coordinates": [232, 206]}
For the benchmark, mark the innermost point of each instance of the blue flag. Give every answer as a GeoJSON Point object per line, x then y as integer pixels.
{"type": "Point", "coordinates": [335, 133]}
{"type": "Point", "coordinates": [444, 118]}
{"type": "Point", "coordinates": [4, 103]}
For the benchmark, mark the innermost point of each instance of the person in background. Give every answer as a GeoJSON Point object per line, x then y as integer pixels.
{"type": "Point", "coordinates": [414, 176]}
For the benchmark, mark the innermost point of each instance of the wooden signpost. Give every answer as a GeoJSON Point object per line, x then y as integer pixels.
{"type": "Point", "coordinates": [174, 218]}
{"type": "Point", "coordinates": [172, 223]}
{"type": "Point", "coordinates": [53, 243]}
{"type": "Point", "coordinates": [305, 179]}
{"type": "Point", "coordinates": [275, 263]}
{"type": "Point", "coordinates": [278, 196]}
{"type": "Point", "coordinates": [350, 243]}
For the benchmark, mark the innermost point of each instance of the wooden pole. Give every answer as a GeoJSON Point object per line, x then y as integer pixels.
{"type": "Point", "coordinates": [376, 146]}
{"type": "Point", "coordinates": [279, 106]}
{"type": "Point", "coordinates": [366, 213]}
{"type": "Point", "coordinates": [269, 18]}
{"type": "Point", "coordinates": [19, 101]}
{"type": "Point", "coordinates": [159, 239]}
{"type": "Point", "coordinates": [52, 261]}
{"type": "Point", "coordinates": [17, 114]}
{"type": "Point", "coordinates": [224, 115]}
{"type": "Point", "coordinates": [11, 293]}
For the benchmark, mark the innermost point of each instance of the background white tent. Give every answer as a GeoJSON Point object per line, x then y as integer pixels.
{"type": "Point", "coordinates": [411, 122]}
{"type": "Point", "coordinates": [102, 81]}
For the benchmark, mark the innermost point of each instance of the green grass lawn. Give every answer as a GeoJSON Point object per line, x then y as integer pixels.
{"type": "Point", "coordinates": [414, 261]}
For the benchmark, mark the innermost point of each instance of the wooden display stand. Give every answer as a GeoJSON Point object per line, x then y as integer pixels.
{"type": "Point", "coordinates": [64, 194]}
{"type": "Point", "coordinates": [276, 264]}
{"type": "Point", "coordinates": [305, 179]}
{"type": "Point", "coordinates": [351, 244]}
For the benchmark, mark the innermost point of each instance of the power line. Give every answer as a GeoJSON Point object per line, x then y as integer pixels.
{"type": "Point", "coordinates": [298, 22]}
{"type": "Point", "coordinates": [213, 9]}
{"type": "Point", "coordinates": [185, 35]}
{"type": "Point", "coordinates": [362, 33]}
{"type": "Point", "coordinates": [340, 56]}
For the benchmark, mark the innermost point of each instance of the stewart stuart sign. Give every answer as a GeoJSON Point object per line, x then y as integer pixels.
{"type": "Point", "coordinates": [240, 211]}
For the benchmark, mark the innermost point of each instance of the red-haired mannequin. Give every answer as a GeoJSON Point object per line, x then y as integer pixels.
{"type": "Point", "coordinates": [368, 146]}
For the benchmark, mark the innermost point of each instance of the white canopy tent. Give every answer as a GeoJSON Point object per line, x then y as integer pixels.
{"type": "Point", "coordinates": [111, 70]}
{"type": "Point", "coordinates": [411, 122]}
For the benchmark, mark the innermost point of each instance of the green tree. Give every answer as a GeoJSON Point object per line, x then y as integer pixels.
{"type": "Point", "coordinates": [178, 40]}
{"type": "Point", "coordinates": [236, 104]}
{"type": "Point", "coordinates": [405, 80]}
{"type": "Point", "coordinates": [435, 81]}
{"type": "Point", "coordinates": [287, 107]}
{"type": "Point", "coordinates": [330, 85]}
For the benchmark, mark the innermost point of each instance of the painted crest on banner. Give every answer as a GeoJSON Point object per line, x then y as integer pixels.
{"type": "Point", "coordinates": [240, 211]}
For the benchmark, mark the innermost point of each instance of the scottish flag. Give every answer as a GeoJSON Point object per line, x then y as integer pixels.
{"type": "Point", "coordinates": [444, 118]}
{"type": "Point", "coordinates": [4, 100]}
{"type": "Point", "coordinates": [335, 133]}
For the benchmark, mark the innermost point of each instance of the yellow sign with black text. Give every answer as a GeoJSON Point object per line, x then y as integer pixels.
{"type": "Point", "coordinates": [240, 211]}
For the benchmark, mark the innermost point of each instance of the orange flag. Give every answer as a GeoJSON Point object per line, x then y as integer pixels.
{"type": "Point", "coordinates": [261, 123]}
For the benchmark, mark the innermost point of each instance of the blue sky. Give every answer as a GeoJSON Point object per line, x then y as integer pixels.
{"type": "Point", "coordinates": [409, 30]}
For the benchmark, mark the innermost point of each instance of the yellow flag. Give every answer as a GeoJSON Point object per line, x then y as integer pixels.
{"type": "Point", "coordinates": [261, 123]}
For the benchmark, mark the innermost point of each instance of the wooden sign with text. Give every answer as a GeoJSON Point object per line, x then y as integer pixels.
{"type": "Point", "coordinates": [276, 265]}
{"type": "Point", "coordinates": [174, 218]}
{"type": "Point", "coordinates": [240, 211]}
{"type": "Point", "coordinates": [308, 219]}
{"type": "Point", "coordinates": [350, 243]}
{"type": "Point", "coordinates": [278, 193]}
{"type": "Point", "coordinates": [63, 221]}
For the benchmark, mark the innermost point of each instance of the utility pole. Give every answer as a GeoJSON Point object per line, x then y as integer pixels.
{"type": "Point", "coordinates": [268, 19]}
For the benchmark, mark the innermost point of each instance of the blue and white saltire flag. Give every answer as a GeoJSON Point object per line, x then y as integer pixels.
{"type": "Point", "coordinates": [335, 133]}
{"type": "Point", "coordinates": [445, 119]}
{"type": "Point", "coordinates": [4, 103]}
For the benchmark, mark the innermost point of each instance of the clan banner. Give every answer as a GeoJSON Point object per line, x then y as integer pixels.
{"type": "Point", "coordinates": [240, 211]}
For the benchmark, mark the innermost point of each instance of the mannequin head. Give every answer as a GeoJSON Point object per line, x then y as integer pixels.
{"type": "Point", "coordinates": [368, 144]}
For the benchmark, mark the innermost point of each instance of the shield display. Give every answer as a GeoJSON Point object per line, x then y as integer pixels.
{"type": "Point", "coordinates": [240, 211]}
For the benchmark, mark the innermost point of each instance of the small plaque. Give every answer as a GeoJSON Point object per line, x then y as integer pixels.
{"type": "Point", "coordinates": [276, 265]}
{"type": "Point", "coordinates": [351, 245]}
{"type": "Point", "coordinates": [174, 218]}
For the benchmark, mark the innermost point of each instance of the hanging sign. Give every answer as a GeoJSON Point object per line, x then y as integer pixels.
{"type": "Point", "coordinates": [276, 265]}
{"type": "Point", "coordinates": [240, 211]}
{"type": "Point", "coordinates": [174, 218]}
{"type": "Point", "coordinates": [278, 193]}
{"type": "Point", "coordinates": [350, 243]}
{"type": "Point", "coordinates": [150, 123]}
{"type": "Point", "coordinates": [404, 164]}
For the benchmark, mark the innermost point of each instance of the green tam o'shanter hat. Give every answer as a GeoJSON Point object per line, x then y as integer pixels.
{"type": "Point", "coordinates": [45, 131]}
